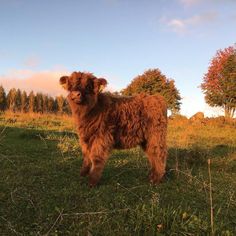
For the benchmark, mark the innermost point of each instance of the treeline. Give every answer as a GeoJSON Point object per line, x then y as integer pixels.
{"type": "Point", "coordinates": [19, 101]}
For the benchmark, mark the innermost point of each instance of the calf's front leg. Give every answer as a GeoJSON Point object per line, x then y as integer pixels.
{"type": "Point", "coordinates": [98, 158]}
{"type": "Point", "coordinates": [86, 166]}
{"type": "Point", "coordinates": [98, 164]}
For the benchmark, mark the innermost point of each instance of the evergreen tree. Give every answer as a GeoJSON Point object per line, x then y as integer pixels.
{"type": "Point", "coordinates": [24, 102]}
{"type": "Point", "coordinates": [39, 102]}
{"type": "Point", "coordinates": [67, 109]}
{"type": "Point", "coordinates": [18, 100]}
{"type": "Point", "coordinates": [3, 99]}
{"type": "Point", "coordinates": [55, 106]}
{"type": "Point", "coordinates": [51, 105]}
{"type": "Point", "coordinates": [45, 103]}
{"type": "Point", "coordinates": [60, 103]}
{"type": "Point", "coordinates": [32, 102]}
{"type": "Point", "coordinates": [11, 100]}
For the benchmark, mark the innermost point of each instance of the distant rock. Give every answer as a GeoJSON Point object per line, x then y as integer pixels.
{"type": "Point", "coordinates": [197, 117]}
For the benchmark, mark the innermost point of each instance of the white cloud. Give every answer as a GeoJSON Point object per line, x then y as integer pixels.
{"type": "Point", "coordinates": [200, 19]}
{"type": "Point", "coordinates": [186, 25]}
{"type": "Point", "coordinates": [44, 81]}
{"type": "Point", "coordinates": [191, 3]}
{"type": "Point", "coordinates": [19, 74]}
{"type": "Point", "coordinates": [177, 25]}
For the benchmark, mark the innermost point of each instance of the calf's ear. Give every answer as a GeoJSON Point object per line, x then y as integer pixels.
{"type": "Point", "coordinates": [102, 83]}
{"type": "Point", "coordinates": [64, 82]}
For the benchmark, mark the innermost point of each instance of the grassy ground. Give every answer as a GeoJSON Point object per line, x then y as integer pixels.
{"type": "Point", "coordinates": [41, 192]}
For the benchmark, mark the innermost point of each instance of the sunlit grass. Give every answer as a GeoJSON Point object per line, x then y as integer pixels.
{"type": "Point", "coordinates": [41, 191]}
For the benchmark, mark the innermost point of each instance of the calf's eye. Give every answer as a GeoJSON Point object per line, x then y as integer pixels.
{"type": "Point", "coordinates": [89, 87]}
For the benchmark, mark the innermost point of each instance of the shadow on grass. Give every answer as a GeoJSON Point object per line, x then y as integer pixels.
{"type": "Point", "coordinates": [41, 191]}
{"type": "Point", "coordinates": [198, 155]}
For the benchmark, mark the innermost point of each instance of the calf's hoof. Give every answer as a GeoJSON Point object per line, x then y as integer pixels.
{"type": "Point", "coordinates": [154, 178]}
{"type": "Point", "coordinates": [84, 171]}
{"type": "Point", "coordinates": [93, 182]}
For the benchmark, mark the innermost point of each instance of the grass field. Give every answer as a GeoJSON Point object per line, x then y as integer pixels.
{"type": "Point", "coordinates": [41, 192]}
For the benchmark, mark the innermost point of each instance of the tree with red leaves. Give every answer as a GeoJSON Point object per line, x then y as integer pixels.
{"type": "Point", "coordinates": [219, 83]}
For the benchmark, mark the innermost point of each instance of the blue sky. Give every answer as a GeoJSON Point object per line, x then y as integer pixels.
{"type": "Point", "coordinates": [116, 39]}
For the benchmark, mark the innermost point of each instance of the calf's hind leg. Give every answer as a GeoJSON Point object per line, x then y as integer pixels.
{"type": "Point", "coordinates": [156, 152]}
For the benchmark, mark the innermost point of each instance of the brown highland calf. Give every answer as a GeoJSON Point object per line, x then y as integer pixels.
{"type": "Point", "coordinates": [105, 121]}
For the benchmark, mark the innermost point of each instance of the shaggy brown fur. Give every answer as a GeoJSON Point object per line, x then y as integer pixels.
{"type": "Point", "coordinates": [105, 122]}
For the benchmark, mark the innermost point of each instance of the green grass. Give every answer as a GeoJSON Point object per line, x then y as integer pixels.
{"type": "Point", "coordinates": [41, 192]}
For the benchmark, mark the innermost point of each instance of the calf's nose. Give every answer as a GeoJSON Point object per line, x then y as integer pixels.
{"type": "Point", "coordinates": [77, 94]}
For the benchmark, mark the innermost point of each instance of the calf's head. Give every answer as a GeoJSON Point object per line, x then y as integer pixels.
{"type": "Point", "coordinates": [83, 88]}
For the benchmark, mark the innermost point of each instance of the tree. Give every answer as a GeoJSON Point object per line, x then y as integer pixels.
{"type": "Point", "coordinates": [51, 106]}
{"type": "Point", "coordinates": [32, 102]}
{"type": "Point", "coordinates": [153, 82]}
{"type": "Point", "coordinates": [60, 104]}
{"type": "Point", "coordinates": [219, 83]}
{"type": "Point", "coordinates": [24, 102]}
{"type": "Point", "coordinates": [3, 99]}
{"type": "Point", "coordinates": [67, 109]}
{"type": "Point", "coordinates": [18, 100]}
{"type": "Point", "coordinates": [45, 103]}
{"type": "Point", "coordinates": [11, 100]}
{"type": "Point", "coordinates": [39, 102]}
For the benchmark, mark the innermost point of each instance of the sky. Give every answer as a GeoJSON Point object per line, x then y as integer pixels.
{"type": "Point", "coordinates": [115, 39]}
